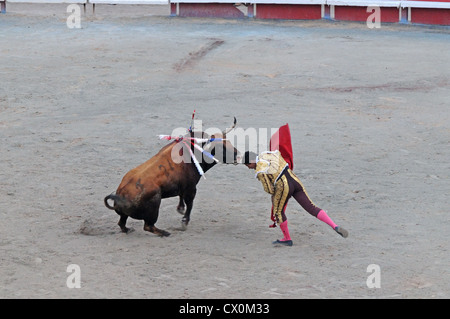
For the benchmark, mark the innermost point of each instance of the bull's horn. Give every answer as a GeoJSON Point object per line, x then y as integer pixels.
{"type": "Point", "coordinates": [224, 132]}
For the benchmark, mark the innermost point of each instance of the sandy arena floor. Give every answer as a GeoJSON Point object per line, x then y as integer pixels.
{"type": "Point", "coordinates": [369, 116]}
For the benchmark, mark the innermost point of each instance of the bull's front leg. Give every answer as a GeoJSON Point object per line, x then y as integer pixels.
{"type": "Point", "coordinates": [189, 200]}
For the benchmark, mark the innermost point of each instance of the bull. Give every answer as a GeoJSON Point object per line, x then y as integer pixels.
{"type": "Point", "coordinates": [169, 173]}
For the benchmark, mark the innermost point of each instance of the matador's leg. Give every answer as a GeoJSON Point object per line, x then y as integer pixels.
{"type": "Point", "coordinates": [279, 201]}
{"type": "Point", "coordinates": [301, 196]}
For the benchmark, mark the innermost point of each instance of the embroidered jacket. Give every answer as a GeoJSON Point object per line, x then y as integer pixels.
{"type": "Point", "coordinates": [269, 166]}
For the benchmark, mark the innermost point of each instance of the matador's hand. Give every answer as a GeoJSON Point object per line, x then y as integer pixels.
{"type": "Point", "coordinates": [272, 217]}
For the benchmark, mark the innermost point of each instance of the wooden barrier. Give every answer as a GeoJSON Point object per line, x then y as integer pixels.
{"type": "Point", "coordinates": [3, 3]}
{"type": "Point", "coordinates": [49, 1]}
{"type": "Point", "coordinates": [84, 2]}
{"type": "Point", "coordinates": [159, 2]}
{"type": "Point", "coordinates": [392, 11]}
{"type": "Point", "coordinates": [357, 10]}
{"type": "Point", "coordinates": [427, 12]}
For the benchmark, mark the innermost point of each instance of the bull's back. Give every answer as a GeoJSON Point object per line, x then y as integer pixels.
{"type": "Point", "coordinates": [158, 174]}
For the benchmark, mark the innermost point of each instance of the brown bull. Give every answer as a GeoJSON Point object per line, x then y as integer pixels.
{"type": "Point", "coordinates": [169, 173]}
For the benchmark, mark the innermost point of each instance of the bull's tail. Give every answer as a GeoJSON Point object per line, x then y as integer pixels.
{"type": "Point", "coordinates": [111, 196]}
{"type": "Point", "coordinates": [120, 203]}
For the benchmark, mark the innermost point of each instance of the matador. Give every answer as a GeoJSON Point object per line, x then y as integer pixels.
{"type": "Point", "coordinates": [280, 181]}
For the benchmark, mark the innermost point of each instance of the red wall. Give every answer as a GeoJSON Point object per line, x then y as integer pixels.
{"type": "Point", "coordinates": [288, 11]}
{"type": "Point", "coordinates": [430, 16]}
{"type": "Point", "coordinates": [208, 10]}
{"type": "Point", "coordinates": [387, 14]}
{"type": "Point", "coordinates": [308, 12]}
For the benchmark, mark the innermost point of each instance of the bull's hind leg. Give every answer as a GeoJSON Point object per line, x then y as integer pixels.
{"type": "Point", "coordinates": [122, 222]}
{"type": "Point", "coordinates": [151, 216]}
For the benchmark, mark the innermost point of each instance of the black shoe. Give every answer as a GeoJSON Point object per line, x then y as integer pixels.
{"type": "Point", "coordinates": [283, 243]}
{"type": "Point", "coordinates": [341, 231]}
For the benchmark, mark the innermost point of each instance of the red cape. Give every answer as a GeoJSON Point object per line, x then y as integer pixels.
{"type": "Point", "coordinates": [281, 141]}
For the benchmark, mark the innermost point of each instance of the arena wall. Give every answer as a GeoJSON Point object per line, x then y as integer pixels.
{"type": "Point", "coordinates": [418, 12]}
{"type": "Point", "coordinates": [436, 12]}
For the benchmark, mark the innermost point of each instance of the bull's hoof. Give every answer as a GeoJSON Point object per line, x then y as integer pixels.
{"type": "Point", "coordinates": [184, 223]}
{"type": "Point", "coordinates": [163, 233]}
{"type": "Point", "coordinates": [126, 230]}
{"type": "Point", "coordinates": [156, 231]}
{"type": "Point", "coordinates": [181, 210]}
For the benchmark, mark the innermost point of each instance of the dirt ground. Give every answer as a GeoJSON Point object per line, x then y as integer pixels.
{"type": "Point", "coordinates": [369, 116]}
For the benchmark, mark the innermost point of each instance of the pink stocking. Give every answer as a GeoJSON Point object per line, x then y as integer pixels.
{"type": "Point", "coordinates": [284, 229]}
{"type": "Point", "coordinates": [322, 215]}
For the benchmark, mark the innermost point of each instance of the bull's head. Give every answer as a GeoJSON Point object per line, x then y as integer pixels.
{"type": "Point", "coordinates": [221, 149]}
{"type": "Point", "coordinates": [224, 151]}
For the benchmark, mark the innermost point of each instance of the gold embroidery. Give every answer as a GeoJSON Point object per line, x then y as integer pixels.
{"type": "Point", "coordinates": [270, 164]}
{"type": "Point", "coordinates": [269, 167]}
{"type": "Point", "coordinates": [267, 185]}
{"type": "Point", "coordinates": [279, 197]}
